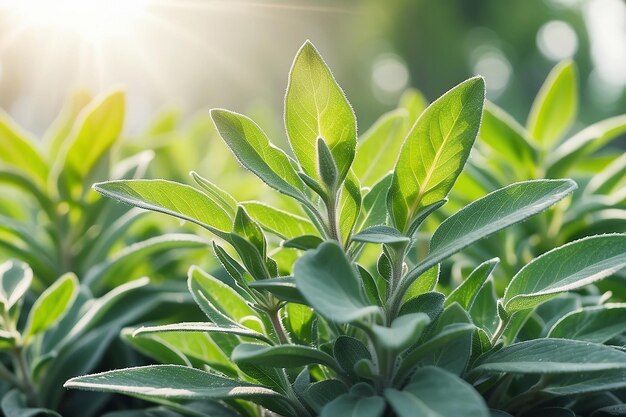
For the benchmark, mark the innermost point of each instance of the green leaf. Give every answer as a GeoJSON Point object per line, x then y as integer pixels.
{"type": "Point", "coordinates": [221, 197]}
{"type": "Point", "coordinates": [348, 351]}
{"type": "Point", "coordinates": [565, 268]}
{"type": "Point", "coordinates": [178, 200]}
{"type": "Point", "coordinates": [465, 293]}
{"type": "Point", "coordinates": [19, 151]}
{"type": "Point", "coordinates": [609, 179]}
{"type": "Point", "coordinates": [282, 287]}
{"type": "Point", "coordinates": [315, 106]}
{"type": "Point", "coordinates": [200, 327]}
{"type": "Point", "coordinates": [554, 109]}
{"type": "Point", "coordinates": [403, 332]}
{"type": "Point", "coordinates": [593, 137]}
{"type": "Point", "coordinates": [584, 383]}
{"type": "Point", "coordinates": [381, 234]}
{"type": "Point", "coordinates": [253, 150]}
{"type": "Point", "coordinates": [509, 140]}
{"type": "Point", "coordinates": [246, 227]}
{"type": "Point", "coordinates": [434, 392]}
{"type": "Point", "coordinates": [349, 206]}
{"type": "Point", "coordinates": [551, 356]}
{"type": "Point", "coordinates": [282, 223]}
{"type": "Point", "coordinates": [484, 309]}
{"type": "Point", "coordinates": [425, 283]}
{"type": "Point", "coordinates": [379, 146]}
{"type": "Point", "coordinates": [351, 405]}
{"type": "Point", "coordinates": [326, 165]}
{"type": "Point", "coordinates": [304, 242]}
{"type": "Point", "coordinates": [447, 335]}
{"type": "Point", "coordinates": [14, 405]}
{"type": "Point", "coordinates": [374, 208]}
{"type": "Point", "coordinates": [331, 285]}
{"type": "Point", "coordinates": [152, 347]}
{"type": "Point", "coordinates": [169, 382]}
{"type": "Point", "coordinates": [52, 305]}
{"type": "Point", "coordinates": [100, 125]}
{"type": "Point", "coordinates": [435, 151]}
{"type": "Point", "coordinates": [281, 356]}
{"type": "Point", "coordinates": [592, 324]}
{"type": "Point", "coordinates": [321, 393]}
{"type": "Point", "coordinates": [15, 280]}
{"type": "Point", "coordinates": [496, 211]}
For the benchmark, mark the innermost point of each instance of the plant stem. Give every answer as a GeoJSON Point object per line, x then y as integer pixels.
{"type": "Point", "coordinates": [277, 324]}
{"type": "Point", "coordinates": [499, 331]}
{"type": "Point", "coordinates": [333, 221]}
{"type": "Point", "coordinates": [26, 381]}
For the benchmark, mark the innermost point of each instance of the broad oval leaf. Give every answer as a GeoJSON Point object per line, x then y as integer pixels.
{"type": "Point", "coordinates": [496, 211]}
{"type": "Point", "coordinates": [282, 356]}
{"type": "Point", "coordinates": [169, 381]}
{"type": "Point", "coordinates": [178, 200]}
{"type": "Point", "coordinates": [52, 305]}
{"type": "Point", "coordinates": [19, 151]}
{"type": "Point", "coordinates": [565, 268]}
{"type": "Point", "coordinates": [592, 324]}
{"type": "Point", "coordinates": [555, 106]}
{"type": "Point", "coordinates": [551, 356]}
{"type": "Point", "coordinates": [403, 332]}
{"type": "Point", "coordinates": [254, 150]}
{"type": "Point", "coordinates": [15, 280]}
{"type": "Point", "coordinates": [435, 151]}
{"type": "Point", "coordinates": [331, 285]}
{"type": "Point", "coordinates": [315, 106]}
{"type": "Point", "coordinates": [434, 392]}
{"type": "Point", "coordinates": [282, 287]}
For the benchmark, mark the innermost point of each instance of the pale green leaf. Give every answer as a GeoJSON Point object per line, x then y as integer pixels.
{"type": "Point", "coordinates": [52, 305]}
{"type": "Point", "coordinates": [435, 151]}
{"type": "Point", "coordinates": [565, 268]}
{"type": "Point", "coordinates": [178, 200]}
{"type": "Point", "coordinates": [15, 280]}
{"type": "Point", "coordinates": [281, 356]}
{"type": "Point", "coordinates": [253, 149]}
{"type": "Point", "coordinates": [554, 109]}
{"type": "Point", "coordinates": [465, 293]}
{"type": "Point", "coordinates": [282, 223]}
{"type": "Point", "coordinates": [315, 106]}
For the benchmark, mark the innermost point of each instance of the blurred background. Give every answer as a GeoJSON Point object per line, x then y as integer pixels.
{"type": "Point", "coordinates": [197, 54]}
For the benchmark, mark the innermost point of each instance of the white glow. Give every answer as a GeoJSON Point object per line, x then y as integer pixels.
{"type": "Point", "coordinates": [88, 19]}
{"type": "Point", "coordinates": [390, 74]}
{"type": "Point", "coordinates": [606, 21]}
{"type": "Point", "coordinates": [557, 40]}
{"type": "Point", "coordinates": [493, 65]}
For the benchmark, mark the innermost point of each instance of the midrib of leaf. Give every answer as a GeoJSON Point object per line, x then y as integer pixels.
{"type": "Point", "coordinates": [423, 186]}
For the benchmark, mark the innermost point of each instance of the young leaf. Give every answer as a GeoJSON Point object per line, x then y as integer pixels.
{"type": "Point", "coordinates": [495, 211]}
{"type": "Point", "coordinates": [404, 331]}
{"type": "Point", "coordinates": [15, 280]}
{"type": "Point", "coordinates": [331, 285]}
{"type": "Point", "coordinates": [435, 151]}
{"type": "Point", "coordinates": [551, 356]}
{"type": "Point", "coordinates": [592, 324]}
{"type": "Point", "coordinates": [170, 382]}
{"type": "Point", "coordinates": [349, 206]}
{"type": "Point", "coordinates": [555, 106]}
{"type": "Point", "coordinates": [374, 208]}
{"type": "Point", "coordinates": [281, 356]}
{"type": "Point", "coordinates": [244, 226]}
{"type": "Point", "coordinates": [566, 268]}
{"type": "Point", "coordinates": [178, 200]}
{"type": "Point", "coordinates": [484, 309]}
{"type": "Point", "coordinates": [100, 127]}
{"type": "Point", "coordinates": [434, 392]}
{"type": "Point", "coordinates": [381, 234]}
{"type": "Point", "coordinates": [327, 167]}
{"type": "Point", "coordinates": [254, 150]}
{"type": "Point", "coordinates": [465, 293]}
{"type": "Point", "coordinates": [20, 152]}
{"type": "Point", "coordinates": [379, 146]}
{"type": "Point", "coordinates": [51, 305]}
{"type": "Point", "coordinates": [221, 197]}
{"type": "Point", "coordinates": [316, 107]}
{"type": "Point", "coordinates": [348, 351]}
{"type": "Point", "coordinates": [282, 287]}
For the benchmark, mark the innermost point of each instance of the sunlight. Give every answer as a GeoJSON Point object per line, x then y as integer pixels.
{"type": "Point", "coordinates": [90, 19]}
